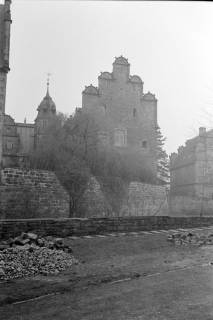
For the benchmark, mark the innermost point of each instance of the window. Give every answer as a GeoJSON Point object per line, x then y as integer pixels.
{"type": "Point", "coordinates": [103, 138]}
{"type": "Point", "coordinates": [120, 137]}
{"type": "Point", "coordinates": [45, 123]}
{"type": "Point", "coordinates": [134, 112]}
{"type": "Point", "coordinates": [9, 145]}
{"type": "Point", "coordinates": [144, 144]}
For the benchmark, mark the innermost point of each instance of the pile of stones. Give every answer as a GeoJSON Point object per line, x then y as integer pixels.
{"type": "Point", "coordinates": [191, 238]}
{"type": "Point", "coordinates": [29, 255]}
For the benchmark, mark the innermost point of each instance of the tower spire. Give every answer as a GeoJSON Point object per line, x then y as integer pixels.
{"type": "Point", "coordinates": [48, 83]}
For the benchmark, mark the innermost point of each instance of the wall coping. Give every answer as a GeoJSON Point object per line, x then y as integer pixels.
{"type": "Point", "coordinates": [108, 218]}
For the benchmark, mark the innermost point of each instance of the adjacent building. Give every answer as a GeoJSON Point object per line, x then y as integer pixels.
{"type": "Point", "coordinates": [192, 176]}
{"type": "Point", "coordinates": [192, 166]}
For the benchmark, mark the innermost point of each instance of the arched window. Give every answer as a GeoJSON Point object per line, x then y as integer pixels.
{"type": "Point", "coordinates": [120, 137]}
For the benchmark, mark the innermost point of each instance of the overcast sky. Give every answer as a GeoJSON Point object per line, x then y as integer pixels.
{"type": "Point", "coordinates": [168, 44]}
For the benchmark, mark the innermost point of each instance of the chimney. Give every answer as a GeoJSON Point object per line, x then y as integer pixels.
{"type": "Point", "coordinates": [202, 131]}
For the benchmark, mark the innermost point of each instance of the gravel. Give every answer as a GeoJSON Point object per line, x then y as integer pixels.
{"type": "Point", "coordinates": [196, 239]}
{"type": "Point", "coordinates": [29, 255]}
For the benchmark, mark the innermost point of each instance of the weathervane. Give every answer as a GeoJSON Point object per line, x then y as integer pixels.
{"type": "Point", "coordinates": [48, 81]}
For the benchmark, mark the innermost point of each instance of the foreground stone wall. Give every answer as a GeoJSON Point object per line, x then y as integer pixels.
{"type": "Point", "coordinates": [31, 194]}
{"type": "Point", "coordinates": [190, 206]}
{"type": "Point", "coordinates": [83, 226]}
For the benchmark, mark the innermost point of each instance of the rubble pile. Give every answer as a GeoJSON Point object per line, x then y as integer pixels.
{"type": "Point", "coordinates": [191, 238]}
{"type": "Point", "coordinates": [29, 255]}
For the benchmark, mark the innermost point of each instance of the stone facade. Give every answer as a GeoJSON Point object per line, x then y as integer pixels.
{"type": "Point", "coordinates": [128, 115]}
{"type": "Point", "coordinates": [181, 205]}
{"type": "Point", "coordinates": [192, 176]}
{"type": "Point", "coordinates": [32, 194]}
{"type": "Point", "coordinates": [192, 167]}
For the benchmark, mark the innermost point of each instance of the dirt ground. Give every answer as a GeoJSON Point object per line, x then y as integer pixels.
{"type": "Point", "coordinates": [126, 277]}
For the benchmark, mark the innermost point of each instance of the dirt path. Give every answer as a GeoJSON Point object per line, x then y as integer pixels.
{"type": "Point", "coordinates": [133, 276]}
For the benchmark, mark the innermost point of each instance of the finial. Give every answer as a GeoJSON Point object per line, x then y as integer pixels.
{"type": "Point", "coordinates": [25, 120]}
{"type": "Point", "coordinates": [48, 83]}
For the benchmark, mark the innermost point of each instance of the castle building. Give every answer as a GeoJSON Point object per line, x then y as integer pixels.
{"type": "Point", "coordinates": [192, 167]}
{"type": "Point", "coordinates": [19, 139]}
{"type": "Point", "coordinates": [129, 115]}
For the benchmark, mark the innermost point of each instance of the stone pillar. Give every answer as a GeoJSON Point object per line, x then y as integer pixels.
{"type": "Point", "coordinates": [3, 83]}
{"type": "Point", "coordinates": [6, 45]}
{"type": "Point", "coordinates": [5, 22]}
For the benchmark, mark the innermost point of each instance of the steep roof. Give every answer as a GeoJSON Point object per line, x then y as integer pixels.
{"type": "Point", "coordinates": [47, 104]}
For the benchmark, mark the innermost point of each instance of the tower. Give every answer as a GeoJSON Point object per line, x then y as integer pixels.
{"type": "Point", "coordinates": [46, 113]}
{"type": "Point", "coordinates": [121, 69]}
{"type": "Point", "coordinates": [5, 22]}
{"type": "Point", "coordinates": [126, 115]}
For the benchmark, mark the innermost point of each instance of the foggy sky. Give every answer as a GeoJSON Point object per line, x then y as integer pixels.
{"type": "Point", "coordinates": [168, 44]}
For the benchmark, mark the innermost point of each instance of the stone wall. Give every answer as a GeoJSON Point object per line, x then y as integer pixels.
{"type": "Point", "coordinates": [145, 200]}
{"type": "Point", "coordinates": [38, 194]}
{"type": "Point", "coordinates": [80, 227]}
{"type": "Point", "coordinates": [94, 202]}
{"type": "Point", "coordinates": [31, 194]}
{"type": "Point", "coordinates": [140, 199]}
{"type": "Point", "coordinates": [190, 206]}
